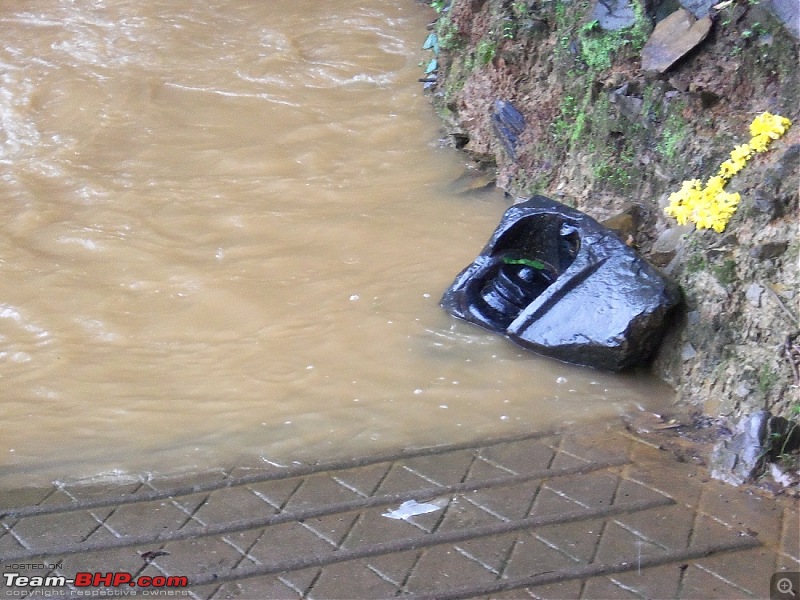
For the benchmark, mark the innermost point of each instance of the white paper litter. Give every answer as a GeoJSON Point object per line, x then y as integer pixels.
{"type": "Point", "coordinates": [779, 475]}
{"type": "Point", "coordinates": [411, 508]}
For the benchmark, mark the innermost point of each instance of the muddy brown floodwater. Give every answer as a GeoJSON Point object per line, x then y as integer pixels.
{"type": "Point", "coordinates": [224, 231]}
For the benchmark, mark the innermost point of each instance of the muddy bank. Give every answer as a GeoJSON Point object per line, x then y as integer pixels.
{"type": "Point", "coordinates": [614, 137]}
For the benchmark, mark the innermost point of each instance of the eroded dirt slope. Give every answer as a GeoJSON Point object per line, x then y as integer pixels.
{"type": "Point", "coordinates": [606, 136]}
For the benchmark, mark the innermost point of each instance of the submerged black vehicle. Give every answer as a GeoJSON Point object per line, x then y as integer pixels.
{"type": "Point", "coordinates": [557, 282]}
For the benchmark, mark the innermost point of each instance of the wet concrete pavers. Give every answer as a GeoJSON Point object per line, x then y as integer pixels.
{"type": "Point", "coordinates": [543, 515]}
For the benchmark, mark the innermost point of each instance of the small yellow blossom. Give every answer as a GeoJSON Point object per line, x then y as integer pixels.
{"type": "Point", "coordinates": [774, 126]}
{"type": "Point", "coordinates": [680, 212]}
{"type": "Point", "coordinates": [715, 184]}
{"type": "Point", "coordinates": [727, 202]}
{"type": "Point", "coordinates": [741, 153]}
{"type": "Point", "coordinates": [719, 225]}
{"type": "Point", "coordinates": [760, 142]}
{"type": "Point", "coordinates": [704, 217]}
{"type": "Point", "coordinates": [690, 186]}
{"type": "Point", "coordinates": [709, 206]}
{"type": "Point", "coordinates": [729, 168]}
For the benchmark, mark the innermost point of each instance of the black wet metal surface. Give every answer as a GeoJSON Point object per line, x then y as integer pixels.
{"type": "Point", "coordinates": [557, 282]}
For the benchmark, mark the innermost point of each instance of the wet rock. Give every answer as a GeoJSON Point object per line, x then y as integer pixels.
{"type": "Point", "coordinates": [769, 250]}
{"type": "Point", "coordinates": [613, 15]}
{"type": "Point", "coordinates": [557, 282]}
{"type": "Point", "coordinates": [508, 123]}
{"type": "Point", "coordinates": [757, 438]}
{"type": "Point", "coordinates": [672, 39]}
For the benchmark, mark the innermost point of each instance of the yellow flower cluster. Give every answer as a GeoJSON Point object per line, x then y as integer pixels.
{"type": "Point", "coordinates": [710, 206]}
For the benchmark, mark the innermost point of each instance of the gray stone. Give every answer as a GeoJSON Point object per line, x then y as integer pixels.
{"type": "Point", "coordinates": [474, 182]}
{"type": "Point", "coordinates": [680, 82]}
{"type": "Point", "coordinates": [788, 13]}
{"type": "Point", "coordinates": [661, 9]}
{"type": "Point", "coordinates": [672, 39]}
{"type": "Point", "coordinates": [688, 352]}
{"type": "Point", "coordinates": [778, 190]}
{"type": "Point", "coordinates": [768, 203]}
{"type": "Point", "coordinates": [699, 8]}
{"type": "Point", "coordinates": [742, 391]}
{"type": "Point", "coordinates": [613, 15]}
{"type": "Point", "coordinates": [740, 458]}
{"type": "Point", "coordinates": [758, 438]}
{"type": "Point", "coordinates": [557, 282]}
{"type": "Point", "coordinates": [625, 223]}
{"type": "Point", "coordinates": [769, 250]}
{"type": "Point", "coordinates": [628, 107]}
{"type": "Point", "coordinates": [665, 247]}
{"type": "Point", "coordinates": [753, 294]}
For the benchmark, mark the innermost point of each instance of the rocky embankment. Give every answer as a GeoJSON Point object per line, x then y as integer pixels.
{"type": "Point", "coordinates": [608, 106]}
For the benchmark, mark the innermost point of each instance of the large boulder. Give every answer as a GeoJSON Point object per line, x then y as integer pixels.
{"type": "Point", "coordinates": [557, 282]}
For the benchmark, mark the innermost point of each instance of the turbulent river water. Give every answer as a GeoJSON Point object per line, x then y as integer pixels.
{"type": "Point", "coordinates": [224, 230]}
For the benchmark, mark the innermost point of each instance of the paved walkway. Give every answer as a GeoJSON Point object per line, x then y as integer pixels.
{"type": "Point", "coordinates": [544, 515]}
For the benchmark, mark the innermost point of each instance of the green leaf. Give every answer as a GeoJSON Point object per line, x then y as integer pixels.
{"type": "Point", "coordinates": [536, 264]}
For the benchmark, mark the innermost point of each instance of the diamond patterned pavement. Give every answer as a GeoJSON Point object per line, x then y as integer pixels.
{"type": "Point", "coordinates": [545, 515]}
